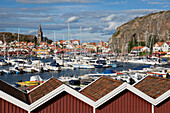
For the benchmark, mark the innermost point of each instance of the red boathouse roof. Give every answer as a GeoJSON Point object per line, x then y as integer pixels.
{"type": "Point", "coordinates": [44, 89]}
{"type": "Point", "coordinates": [35, 94]}
{"type": "Point", "coordinates": [7, 88]}
{"type": "Point", "coordinates": [100, 88]}
{"type": "Point", "coordinates": [153, 86]}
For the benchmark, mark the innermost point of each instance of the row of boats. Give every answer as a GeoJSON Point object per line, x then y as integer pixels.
{"type": "Point", "coordinates": [130, 76]}
{"type": "Point", "coordinates": [61, 62]}
{"type": "Point", "coordinates": [21, 65]}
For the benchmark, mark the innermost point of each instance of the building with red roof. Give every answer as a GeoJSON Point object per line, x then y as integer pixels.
{"type": "Point", "coordinates": [75, 42]}
{"type": "Point", "coordinates": [139, 49]}
{"type": "Point", "coordinates": [161, 46]}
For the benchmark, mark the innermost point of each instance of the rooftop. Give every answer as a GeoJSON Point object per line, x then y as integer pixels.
{"type": "Point", "coordinates": [136, 47]}
{"type": "Point", "coordinates": [44, 89]}
{"type": "Point", "coordinates": [159, 44]}
{"type": "Point", "coordinates": [7, 88]}
{"type": "Point", "coordinates": [33, 95]}
{"type": "Point", "coordinates": [153, 86]}
{"type": "Point", "coordinates": [100, 88]}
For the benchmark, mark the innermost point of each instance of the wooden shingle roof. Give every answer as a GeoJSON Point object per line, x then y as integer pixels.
{"type": "Point", "coordinates": [7, 88]}
{"type": "Point", "coordinates": [153, 86]}
{"type": "Point", "coordinates": [35, 94]}
{"type": "Point", "coordinates": [100, 88]}
{"type": "Point", "coordinates": [44, 89]}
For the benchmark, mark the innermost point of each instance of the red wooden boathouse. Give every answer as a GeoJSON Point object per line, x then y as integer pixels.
{"type": "Point", "coordinates": [105, 95]}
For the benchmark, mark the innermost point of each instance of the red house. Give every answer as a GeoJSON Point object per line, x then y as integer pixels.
{"type": "Point", "coordinates": [104, 95]}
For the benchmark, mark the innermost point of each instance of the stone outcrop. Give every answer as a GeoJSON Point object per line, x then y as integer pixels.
{"type": "Point", "coordinates": [14, 36]}
{"type": "Point", "coordinates": [155, 25]}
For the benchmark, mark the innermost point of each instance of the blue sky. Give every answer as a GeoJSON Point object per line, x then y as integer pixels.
{"type": "Point", "coordinates": [98, 18]}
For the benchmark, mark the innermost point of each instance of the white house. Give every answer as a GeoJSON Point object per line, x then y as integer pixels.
{"type": "Point", "coordinates": [139, 49]}
{"type": "Point", "coordinates": [161, 46]}
{"type": "Point", "coordinates": [1, 42]}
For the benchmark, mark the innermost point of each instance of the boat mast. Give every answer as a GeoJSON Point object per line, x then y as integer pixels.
{"type": "Point", "coordinates": [4, 46]}
{"type": "Point", "coordinates": [63, 49]}
{"type": "Point", "coordinates": [68, 37]}
{"type": "Point", "coordinates": [138, 44]}
{"type": "Point", "coordinates": [55, 43]}
{"type": "Point", "coordinates": [167, 35]}
{"type": "Point", "coordinates": [80, 41]}
{"type": "Point", "coordinates": [18, 44]}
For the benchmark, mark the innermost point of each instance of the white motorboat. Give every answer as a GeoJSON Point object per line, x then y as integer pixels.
{"type": "Point", "coordinates": [2, 62]}
{"type": "Point", "coordinates": [15, 61]}
{"type": "Point", "coordinates": [52, 66]}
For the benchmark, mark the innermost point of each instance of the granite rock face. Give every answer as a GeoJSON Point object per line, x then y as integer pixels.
{"type": "Point", "coordinates": [155, 25]}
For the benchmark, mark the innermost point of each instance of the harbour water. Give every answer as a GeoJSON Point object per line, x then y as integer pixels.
{"type": "Point", "coordinates": [12, 78]}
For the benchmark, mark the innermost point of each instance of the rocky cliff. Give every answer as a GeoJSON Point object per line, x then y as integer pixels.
{"type": "Point", "coordinates": [150, 28]}
{"type": "Point", "coordinates": [14, 36]}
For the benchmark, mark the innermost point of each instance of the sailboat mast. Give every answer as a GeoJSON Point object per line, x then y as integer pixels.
{"type": "Point", "coordinates": [167, 35]}
{"type": "Point", "coordinates": [80, 40]}
{"type": "Point", "coordinates": [68, 31]}
{"type": "Point", "coordinates": [63, 49]}
{"type": "Point", "coordinates": [55, 43]}
{"type": "Point", "coordinates": [18, 44]}
{"type": "Point", "coordinates": [4, 46]}
{"type": "Point", "coordinates": [138, 44]}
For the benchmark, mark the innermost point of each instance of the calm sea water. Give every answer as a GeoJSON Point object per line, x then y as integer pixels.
{"type": "Point", "coordinates": [12, 78]}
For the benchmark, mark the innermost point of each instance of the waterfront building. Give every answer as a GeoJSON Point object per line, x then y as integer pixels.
{"type": "Point", "coordinates": [139, 49]}
{"type": "Point", "coordinates": [75, 42]}
{"type": "Point", "coordinates": [91, 46]}
{"type": "Point", "coordinates": [104, 95]}
{"type": "Point", "coordinates": [1, 42]}
{"type": "Point", "coordinates": [161, 46]}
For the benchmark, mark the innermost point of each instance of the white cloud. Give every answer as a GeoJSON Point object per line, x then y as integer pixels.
{"type": "Point", "coordinates": [54, 1]}
{"type": "Point", "coordinates": [155, 3]}
{"type": "Point", "coordinates": [32, 32]}
{"type": "Point", "coordinates": [116, 2]}
{"type": "Point", "coordinates": [48, 19]}
{"type": "Point", "coordinates": [112, 26]}
{"type": "Point", "coordinates": [158, 3]}
{"type": "Point", "coordinates": [87, 29]}
{"type": "Point", "coordinates": [72, 19]}
{"type": "Point", "coordinates": [165, 6]}
{"type": "Point", "coordinates": [123, 2]}
{"type": "Point", "coordinates": [108, 18]}
{"type": "Point", "coordinates": [113, 3]}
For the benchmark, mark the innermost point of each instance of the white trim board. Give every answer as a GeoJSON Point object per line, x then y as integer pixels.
{"type": "Point", "coordinates": [14, 100]}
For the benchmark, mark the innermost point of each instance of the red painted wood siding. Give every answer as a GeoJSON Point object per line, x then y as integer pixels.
{"type": "Point", "coordinates": [64, 103]}
{"type": "Point", "coordinates": [7, 107]}
{"type": "Point", "coordinates": [163, 107]}
{"type": "Point", "coordinates": [126, 102]}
